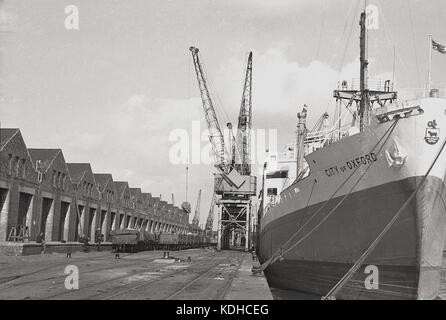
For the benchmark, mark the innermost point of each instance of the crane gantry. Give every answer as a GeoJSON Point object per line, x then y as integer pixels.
{"type": "Point", "coordinates": [233, 183]}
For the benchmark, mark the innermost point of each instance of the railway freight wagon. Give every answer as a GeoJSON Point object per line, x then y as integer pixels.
{"type": "Point", "coordinates": [173, 241]}
{"type": "Point", "coordinates": [181, 241]}
{"type": "Point", "coordinates": [192, 240]}
{"type": "Point", "coordinates": [212, 242]}
{"type": "Point", "coordinates": [131, 240]}
{"type": "Point", "coordinates": [196, 242]}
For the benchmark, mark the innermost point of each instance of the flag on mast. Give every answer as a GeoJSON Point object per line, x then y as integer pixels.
{"type": "Point", "coordinates": [439, 47]}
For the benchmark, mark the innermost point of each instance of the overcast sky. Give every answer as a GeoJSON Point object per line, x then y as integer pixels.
{"type": "Point", "coordinates": [111, 92]}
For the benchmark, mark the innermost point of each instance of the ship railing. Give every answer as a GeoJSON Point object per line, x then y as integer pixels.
{"type": "Point", "coordinates": [318, 138]}
{"type": "Point", "coordinates": [286, 156]}
{"type": "Point", "coordinates": [326, 137]}
{"type": "Point", "coordinates": [372, 84]}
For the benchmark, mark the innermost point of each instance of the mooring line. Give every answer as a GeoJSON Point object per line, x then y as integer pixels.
{"type": "Point", "coordinates": [338, 286]}
{"type": "Point", "coordinates": [340, 202]}
{"type": "Point", "coordinates": [274, 258]}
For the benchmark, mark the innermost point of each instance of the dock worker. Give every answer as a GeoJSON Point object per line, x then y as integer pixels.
{"type": "Point", "coordinates": [69, 249]}
{"type": "Point", "coordinates": [99, 238]}
{"type": "Point", "coordinates": [254, 254]}
{"type": "Point", "coordinates": [41, 240]}
{"type": "Point", "coordinates": [117, 250]}
{"type": "Point", "coordinates": [84, 240]}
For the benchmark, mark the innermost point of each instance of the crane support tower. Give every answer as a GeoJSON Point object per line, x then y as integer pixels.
{"type": "Point", "coordinates": [234, 186]}
{"type": "Point", "coordinates": [196, 219]}
{"type": "Point", "coordinates": [210, 218]}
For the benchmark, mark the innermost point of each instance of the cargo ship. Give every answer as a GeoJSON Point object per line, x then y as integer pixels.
{"type": "Point", "coordinates": [360, 213]}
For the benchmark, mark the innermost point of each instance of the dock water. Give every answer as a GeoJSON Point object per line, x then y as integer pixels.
{"type": "Point", "coordinates": [281, 294]}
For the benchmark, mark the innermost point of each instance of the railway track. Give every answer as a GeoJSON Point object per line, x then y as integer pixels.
{"type": "Point", "coordinates": [144, 284]}
{"type": "Point", "coordinates": [129, 278]}
{"type": "Point", "coordinates": [220, 294]}
{"type": "Point", "coordinates": [189, 284]}
{"type": "Point", "coordinates": [98, 284]}
{"type": "Point", "coordinates": [152, 281]}
{"type": "Point", "coordinates": [8, 279]}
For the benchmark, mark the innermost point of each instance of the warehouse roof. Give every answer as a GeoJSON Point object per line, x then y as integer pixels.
{"type": "Point", "coordinates": [45, 156]}
{"type": "Point", "coordinates": [77, 170]}
{"type": "Point", "coordinates": [120, 187]}
{"type": "Point", "coordinates": [102, 179]}
{"type": "Point", "coordinates": [5, 135]}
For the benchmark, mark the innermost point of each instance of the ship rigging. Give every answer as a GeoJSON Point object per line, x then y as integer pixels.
{"type": "Point", "coordinates": [345, 209]}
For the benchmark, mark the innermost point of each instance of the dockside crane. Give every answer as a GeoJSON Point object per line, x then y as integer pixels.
{"type": "Point", "coordinates": [196, 219]}
{"type": "Point", "coordinates": [243, 163]}
{"type": "Point", "coordinates": [234, 187]}
{"type": "Point", "coordinates": [210, 218]}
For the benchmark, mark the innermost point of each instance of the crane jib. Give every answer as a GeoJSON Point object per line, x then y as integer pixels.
{"type": "Point", "coordinates": [241, 148]}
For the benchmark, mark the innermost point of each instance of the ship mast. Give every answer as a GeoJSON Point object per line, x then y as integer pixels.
{"type": "Point", "coordinates": [364, 98]}
{"type": "Point", "coordinates": [364, 104]}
